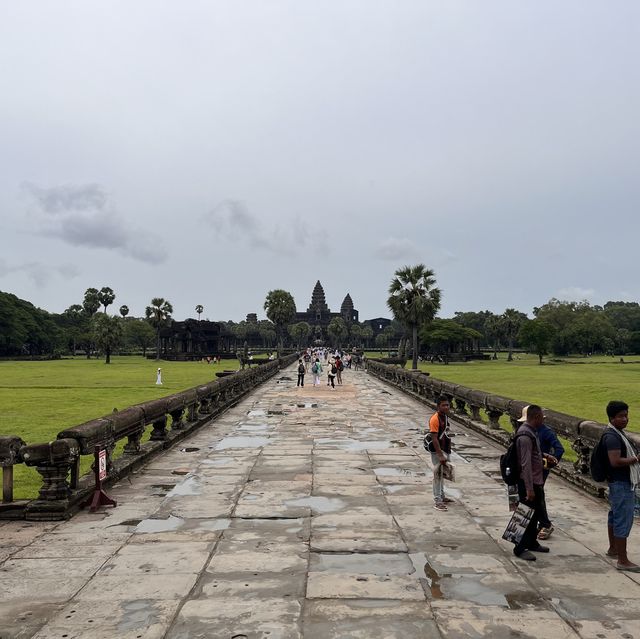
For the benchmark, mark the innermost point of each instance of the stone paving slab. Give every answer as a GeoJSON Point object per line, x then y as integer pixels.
{"type": "Point", "coordinates": [308, 513]}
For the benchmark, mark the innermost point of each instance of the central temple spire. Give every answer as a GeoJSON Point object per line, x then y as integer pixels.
{"type": "Point", "coordinates": [318, 301]}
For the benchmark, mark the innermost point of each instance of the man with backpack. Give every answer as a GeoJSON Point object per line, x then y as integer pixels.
{"type": "Point", "coordinates": [552, 452]}
{"type": "Point", "coordinates": [531, 481]}
{"type": "Point", "coordinates": [301, 372]}
{"type": "Point", "coordinates": [316, 369]}
{"type": "Point", "coordinates": [621, 468]}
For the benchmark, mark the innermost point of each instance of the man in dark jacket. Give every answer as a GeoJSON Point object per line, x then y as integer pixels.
{"type": "Point", "coordinates": [531, 482]}
{"type": "Point", "coordinates": [552, 451]}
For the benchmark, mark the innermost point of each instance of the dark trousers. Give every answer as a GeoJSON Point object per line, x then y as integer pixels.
{"type": "Point", "coordinates": [331, 380]}
{"type": "Point", "coordinates": [300, 379]}
{"type": "Point", "coordinates": [530, 538]}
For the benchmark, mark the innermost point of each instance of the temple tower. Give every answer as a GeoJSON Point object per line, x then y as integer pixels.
{"type": "Point", "coordinates": [318, 306]}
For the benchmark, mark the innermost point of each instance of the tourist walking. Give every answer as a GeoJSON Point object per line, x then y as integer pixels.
{"type": "Point", "coordinates": [316, 369]}
{"type": "Point", "coordinates": [439, 445]}
{"type": "Point", "coordinates": [552, 452]}
{"type": "Point", "coordinates": [531, 482]}
{"type": "Point", "coordinates": [301, 372]}
{"type": "Point", "coordinates": [623, 477]}
{"type": "Point", "coordinates": [332, 371]}
{"type": "Point", "coordinates": [339, 369]}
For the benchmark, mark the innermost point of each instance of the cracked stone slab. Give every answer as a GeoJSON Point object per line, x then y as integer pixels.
{"type": "Point", "coordinates": [367, 619]}
{"type": "Point", "coordinates": [135, 619]}
{"type": "Point", "coordinates": [234, 617]}
{"type": "Point", "coordinates": [323, 585]}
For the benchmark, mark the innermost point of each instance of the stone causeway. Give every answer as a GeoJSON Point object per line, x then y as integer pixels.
{"type": "Point", "coordinates": [307, 512]}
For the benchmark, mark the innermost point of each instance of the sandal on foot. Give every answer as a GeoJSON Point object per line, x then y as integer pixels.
{"type": "Point", "coordinates": [610, 553]}
{"type": "Point", "coordinates": [545, 533]}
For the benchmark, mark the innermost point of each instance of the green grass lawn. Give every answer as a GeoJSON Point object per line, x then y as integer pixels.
{"type": "Point", "coordinates": [574, 385]}
{"type": "Point", "coordinates": [39, 399]}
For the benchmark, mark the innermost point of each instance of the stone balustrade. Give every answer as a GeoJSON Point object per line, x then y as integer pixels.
{"type": "Point", "coordinates": [468, 404]}
{"type": "Point", "coordinates": [169, 419]}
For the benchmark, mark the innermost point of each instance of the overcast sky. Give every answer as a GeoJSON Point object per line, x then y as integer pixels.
{"type": "Point", "coordinates": [207, 152]}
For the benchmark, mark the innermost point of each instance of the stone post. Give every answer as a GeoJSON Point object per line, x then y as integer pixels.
{"type": "Point", "coordinates": [159, 432]}
{"type": "Point", "coordinates": [494, 417]}
{"type": "Point", "coordinates": [9, 456]}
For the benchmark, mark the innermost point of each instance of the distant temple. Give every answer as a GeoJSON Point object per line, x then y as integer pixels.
{"type": "Point", "coordinates": [193, 338]}
{"type": "Point", "coordinates": [319, 314]}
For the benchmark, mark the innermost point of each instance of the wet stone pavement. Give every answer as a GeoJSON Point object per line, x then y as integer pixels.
{"type": "Point", "coordinates": [308, 513]}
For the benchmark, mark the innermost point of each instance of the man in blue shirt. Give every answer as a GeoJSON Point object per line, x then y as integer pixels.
{"type": "Point", "coordinates": [549, 445]}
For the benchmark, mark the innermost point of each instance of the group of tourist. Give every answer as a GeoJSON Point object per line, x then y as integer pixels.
{"type": "Point", "coordinates": [334, 363]}
{"type": "Point", "coordinates": [538, 450]}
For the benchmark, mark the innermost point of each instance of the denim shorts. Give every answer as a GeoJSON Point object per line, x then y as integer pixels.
{"type": "Point", "coordinates": [622, 500]}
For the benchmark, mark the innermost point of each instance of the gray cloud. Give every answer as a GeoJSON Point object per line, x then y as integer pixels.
{"type": "Point", "coordinates": [84, 216]}
{"type": "Point", "coordinates": [64, 198]}
{"type": "Point", "coordinates": [232, 220]}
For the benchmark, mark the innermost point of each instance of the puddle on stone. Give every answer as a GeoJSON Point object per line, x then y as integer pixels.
{"type": "Point", "coordinates": [354, 444]}
{"type": "Point", "coordinates": [189, 449]}
{"type": "Point", "coordinates": [241, 442]}
{"type": "Point", "coordinates": [126, 522]}
{"type": "Point", "coordinates": [466, 587]}
{"type": "Point", "coordinates": [398, 443]}
{"type": "Point", "coordinates": [137, 614]}
{"type": "Point", "coordinates": [258, 412]}
{"type": "Point", "coordinates": [169, 524]}
{"type": "Point", "coordinates": [190, 486]}
{"type": "Point", "coordinates": [394, 488]}
{"type": "Point", "coordinates": [253, 428]}
{"type": "Point", "coordinates": [305, 405]}
{"type": "Point", "coordinates": [318, 504]}
{"type": "Point", "coordinates": [392, 472]}
{"type": "Point", "coordinates": [454, 492]}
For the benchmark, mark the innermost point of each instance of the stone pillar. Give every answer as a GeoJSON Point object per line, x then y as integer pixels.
{"type": "Point", "coordinates": [176, 419]}
{"type": "Point", "coordinates": [583, 462]}
{"type": "Point", "coordinates": [494, 416]}
{"type": "Point", "coordinates": [461, 406]}
{"type": "Point", "coordinates": [159, 432]}
{"type": "Point", "coordinates": [9, 456]}
{"type": "Point", "coordinates": [475, 413]}
{"type": "Point", "coordinates": [132, 447]}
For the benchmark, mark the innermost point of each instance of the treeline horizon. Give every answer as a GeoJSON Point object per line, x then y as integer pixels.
{"type": "Point", "coordinates": [559, 327]}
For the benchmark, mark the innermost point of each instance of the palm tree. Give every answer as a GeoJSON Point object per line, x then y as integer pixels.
{"type": "Point", "coordinates": [299, 333]}
{"type": "Point", "coordinates": [414, 300]}
{"type": "Point", "coordinates": [107, 333]}
{"type": "Point", "coordinates": [106, 297]}
{"type": "Point", "coordinates": [338, 330]}
{"type": "Point", "coordinates": [281, 309]}
{"type": "Point", "coordinates": [124, 310]}
{"type": "Point", "coordinates": [493, 332]}
{"type": "Point", "coordinates": [91, 302]}
{"type": "Point", "coordinates": [199, 309]}
{"type": "Point", "coordinates": [158, 314]}
{"type": "Point", "coordinates": [511, 321]}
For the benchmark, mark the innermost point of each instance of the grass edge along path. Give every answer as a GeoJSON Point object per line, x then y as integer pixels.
{"type": "Point", "coordinates": [40, 399]}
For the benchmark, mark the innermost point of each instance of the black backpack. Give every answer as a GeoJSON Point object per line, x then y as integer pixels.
{"type": "Point", "coordinates": [599, 465]}
{"type": "Point", "coordinates": [509, 462]}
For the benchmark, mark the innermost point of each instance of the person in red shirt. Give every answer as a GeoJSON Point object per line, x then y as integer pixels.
{"type": "Point", "coordinates": [440, 449]}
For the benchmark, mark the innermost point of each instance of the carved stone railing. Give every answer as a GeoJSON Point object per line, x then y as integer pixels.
{"type": "Point", "coordinates": [169, 418]}
{"type": "Point", "coordinates": [468, 405]}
